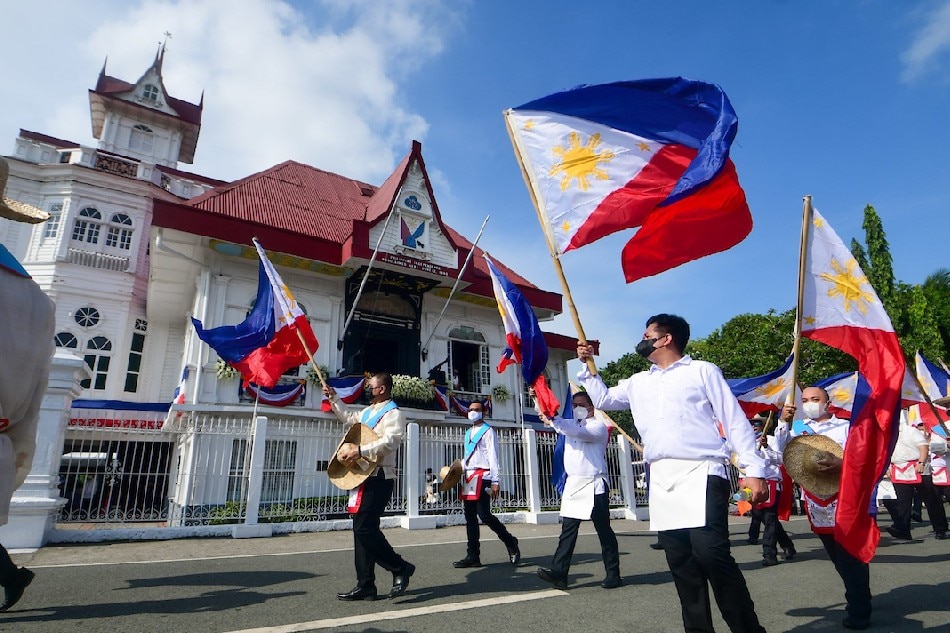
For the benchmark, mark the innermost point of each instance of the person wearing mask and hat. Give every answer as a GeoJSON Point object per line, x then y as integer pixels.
{"type": "Point", "coordinates": [815, 464]}
{"type": "Point", "coordinates": [910, 472]}
{"type": "Point", "coordinates": [680, 405]}
{"type": "Point", "coordinates": [480, 484]}
{"type": "Point", "coordinates": [370, 547]}
{"type": "Point", "coordinates": [585, 492]}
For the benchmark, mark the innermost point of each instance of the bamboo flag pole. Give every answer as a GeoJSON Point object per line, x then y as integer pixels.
{"type": "Point", "coordinates": [802, 260]}
{"type": "Point", "coordinates": [313, 362]}
{"type": "Point", "coordinates": [425, 348]}
{"type": "Point", "coordinates": [546, 229]}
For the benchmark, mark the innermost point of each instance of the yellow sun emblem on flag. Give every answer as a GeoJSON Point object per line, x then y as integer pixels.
{"type": "Point", "coordinates": [580, 162]}
{"type": "Point", "coordinates": [841, 395]}
{"type": "Point", "coordinates": [772, 389]}
{"type": "Point", "coordinates": [847, 284]}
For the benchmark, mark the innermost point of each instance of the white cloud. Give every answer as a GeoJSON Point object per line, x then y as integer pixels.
{"type": "Point", "coordinates": [326, 87]}
{"type": "Point", "coordinates": [930, 43]}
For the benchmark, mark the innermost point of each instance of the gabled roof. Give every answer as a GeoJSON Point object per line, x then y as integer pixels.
{"type": "Point", "coordinates": [113, 87]}
{"type": "Point", "coordinates": [301, 210]}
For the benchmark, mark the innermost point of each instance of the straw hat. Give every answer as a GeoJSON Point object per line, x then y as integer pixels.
{"type": "Point", "coordinates": [450, 475]}
{"type": "Point", "coordinates": [800, 457]}
{"type": "Point", "coordinates": [942, 402]}
{"type": "Point", "coordinates": [13, 210]}
{"type": "Point", "coordinates": [347, 476]}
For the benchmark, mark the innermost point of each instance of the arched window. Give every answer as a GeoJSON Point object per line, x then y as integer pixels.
{"type": "Point", "coordinates": [65, 339]}
{"type": "Point", "coordinates": [98, 355]}
{"type": "Point", "coordinates": [142, 138]}
{"type": "Point", "coordinates": [86, 228]}
{"type": "Point", "coordinates": [150, 92]}
{"type": "Point", "coordinates": [120, 235]}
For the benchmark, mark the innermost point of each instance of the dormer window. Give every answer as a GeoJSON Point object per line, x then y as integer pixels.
{"type": "Point", "coordinates": [150, 93]}
{"type": "Point", "coordinates": [142, 138]}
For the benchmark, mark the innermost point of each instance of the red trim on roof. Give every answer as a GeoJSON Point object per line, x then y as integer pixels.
{"type": "Point", "coordinates": [566, 343]}
{"type": "Point", "coordinates": [49, 140]}
{"type": "Point", "coordinates": [108, 86]}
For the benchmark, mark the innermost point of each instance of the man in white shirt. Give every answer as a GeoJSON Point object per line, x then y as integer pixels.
{"type": "Point", "coordinates": [370, 547]}
{"type": "Point", "coordinates": [854, 573]}
{"type": "Point", "coordinates": [910, 472]}
{"type": "Point", "coordinates": [585, 493]}
{"type": "Point", "coordinates": [480, 484]}
{"type": "Point", "coordinates": [688, 417]}
{"type": "Point", "coordinates": [767, 512]}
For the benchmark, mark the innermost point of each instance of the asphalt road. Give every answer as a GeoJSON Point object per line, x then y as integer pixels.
{"type": "Point", "coordinates": [288, 583]}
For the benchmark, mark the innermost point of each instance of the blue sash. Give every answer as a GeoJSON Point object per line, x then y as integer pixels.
{"type": "Point", "coordinates": [371, 419]}
{"type": "Point", "coordinates": [801, 427]}
{"type": "Point", "coordinates": [471, 439]}
{"type": "Point", "coordinates": [8, 261]}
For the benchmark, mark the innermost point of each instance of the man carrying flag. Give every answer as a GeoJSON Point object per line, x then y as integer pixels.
{"type": "Point", "coordinates": [274, 337]}
{"type": "Point", "coordinates": [678, 405]}
{"type": "Point", "coordinates": [840, 308]}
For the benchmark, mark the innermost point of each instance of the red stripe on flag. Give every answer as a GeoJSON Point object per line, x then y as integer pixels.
{"type": "Point", "coordinates": [265, 365]}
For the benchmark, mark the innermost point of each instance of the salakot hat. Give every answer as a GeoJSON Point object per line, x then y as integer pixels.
{"type": "Point", "coordinates": [942, 402]}
{"type": "Point", "coordinates": [450, 475]}
{"type": "Point", "coordinates": [800, 458]}
{"type": "Point", "coordinates": [13, 210]}
{"type": "Point", "coordinates": [347, 476]}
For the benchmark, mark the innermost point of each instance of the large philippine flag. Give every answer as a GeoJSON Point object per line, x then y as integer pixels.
{"type": "Point", "coordinates": [842, 310]}
{"type": "Point", "coordinates": [266, 343]}
{"type": "Point", "coordinates": [524, 338]}
{"type": "Point", "coordinates": [767, 392]}
{"type": "Point", "coordinates": [652, 154]}
{"type": "Point", "coordinates": [935, 381]}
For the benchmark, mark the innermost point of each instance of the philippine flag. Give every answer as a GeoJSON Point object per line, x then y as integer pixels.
{"type": "Point", "coordinates": [652, 154]}
{"type": "Point", "coordinates": [841, 309]}
{"type": "Point", "coordinates": [842, 390]}
{"type": "Point", "coordinates": [524, 338]}
{"type": "Point", "coordinates": [271, 339]}
{"type": "Point", "coordinates": [764, 393]}
{"type": "Point", "coordinates": [181, 390]}
{"type": "Point", "coordinates": [935, 381]}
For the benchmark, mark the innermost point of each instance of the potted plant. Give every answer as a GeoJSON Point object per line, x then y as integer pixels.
{"type": "Point", "coordinates": [500, 394]}
{"type": "Point", "coordinates": [412, 391]}
{"type": "Point", "coordinates": [224, 371]}
{"type": "Point", "coordinates": [312, 375]}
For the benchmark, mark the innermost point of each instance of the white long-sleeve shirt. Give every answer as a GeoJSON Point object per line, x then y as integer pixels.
{"type": "Point", "coordinates": [391, 429]}
{"type": "Point", "coordinates": [677, 411]}
{"type": "Point", "coordinates": [485, 455]}
{"type": "Point", "coordinates": [585, 448]}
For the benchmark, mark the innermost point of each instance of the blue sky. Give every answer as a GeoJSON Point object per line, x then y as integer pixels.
{"type": "Point", "coordinates": [845, 101]}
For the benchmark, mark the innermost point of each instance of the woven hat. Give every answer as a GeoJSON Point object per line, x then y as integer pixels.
{"type": "Point", "coordinates": [450, 475]}
{"type": "Point", "coordinates": [348, 476]}
{"type": "Point", "coordinates": [13, 210]}
{"type": "Point", "coordinates": [942, 402]}
{"type": "Point", "coordinates": [800, 458]}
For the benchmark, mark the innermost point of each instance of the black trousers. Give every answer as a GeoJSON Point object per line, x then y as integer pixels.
{"type": "Point", "coordinates": [7, 567]}
{"type": "Point", "coordinates": [481, 509]}
{"type": "Point", "coordinates": [700, 557]}
{"type": "Point", "coordinates": [928, 494]}
{"type": "Point", "coordinates": [370, 547]}
{"type": "Point", "coordinates": [856, 576]}
{"type": "Point", "coordinates": [772, 530]}
{"type": "Point", "coordinates": [600, 517]}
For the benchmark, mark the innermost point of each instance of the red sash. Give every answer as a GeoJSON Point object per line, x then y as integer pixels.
{"type": "Point", "coordinates": [821, 512]}
{"type": "Point", "coordinates": [771, 499]}
{"type": "Point", "coordinates": [472, 485]}
{"type": "Point", "coordinates": [356, 498]}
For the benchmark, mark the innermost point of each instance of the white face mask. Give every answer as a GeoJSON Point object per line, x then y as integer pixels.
{"type": "Point", "coordinates": [580, 413]}
{"type": "Point", "coordinates": [812, 410]}
{"type": "Point", "coordinates": [474, 416]}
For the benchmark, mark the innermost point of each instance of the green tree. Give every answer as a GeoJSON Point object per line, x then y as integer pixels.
{"type": "Point", "coordinates": [860, 255]}
{"type": "Point", "coordinates": [880, 266]}
{"type": "Point", "coordinates": [937, 291]}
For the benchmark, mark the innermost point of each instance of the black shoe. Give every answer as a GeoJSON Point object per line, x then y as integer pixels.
{"type": "Point", "coordinates": [559, 582]}
{"type": "Point", "coordinates": [514, 554]}
{"type": "Point", "coordinates": [769, 561]}
{"type": "Point", "coordinates": [657, 545]}
{"type": "Point", "coordinates": [899, 537]}
{"type": "Point", "coordinates": [916, 518]}
{"type": "Point", "coordinates": [612, 583]}
{"type": "Point", "coordinates": [789, 553]}
{"type": "Point", "coordinates": [367, 592]}
{"type": "Point", "coordinates": [467, 562]}
{"type": "Point", "coordinates": [752, 541]}
{"type": "Point", "coordinates": [401, 580]}
{"type": "Point", "coordinates": [22, 578]}
{"type": "Point", "coordinates": [855, 623]}
{"type": "Point", "coordinates": [941, 536]}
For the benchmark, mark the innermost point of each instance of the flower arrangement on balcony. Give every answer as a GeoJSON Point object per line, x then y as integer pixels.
{"type": "Point", "coordinates": [413, 392]}
{"type": "Point", "coordinates": [224, 371]}
{"type": "Point", "coordinates": [312, 375]}
{"type": "Point", "coordinates": [500, 394]}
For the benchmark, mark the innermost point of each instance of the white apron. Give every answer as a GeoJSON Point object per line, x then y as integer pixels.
{"type": "Point", "coordinates": [678, 494]}
{"type": "Point", "coordinates": [577, 502]}
{"type": "Point", "coordinates": [7, 473]}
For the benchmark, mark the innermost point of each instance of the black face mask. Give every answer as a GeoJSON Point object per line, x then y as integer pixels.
{"type": "Point", "coordinates": [645, 347]}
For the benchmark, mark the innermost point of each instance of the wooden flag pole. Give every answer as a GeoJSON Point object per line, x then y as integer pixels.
{"type": "Point", "coordinates": [313, 362]}
{"type": "Point", "coordinates": [802, 259]}
{"type": "Point", "coordinates": [546, 229]}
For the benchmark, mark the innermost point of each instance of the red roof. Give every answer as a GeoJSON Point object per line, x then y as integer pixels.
{"type": "Point", "coordinates": [49, 140]}
{"type": "Point", "coordinates": [109, 87]}
{"type": "Point", "coordinates": [301, 210]}
{"type": "Point", "coordinates": [568, 343]}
